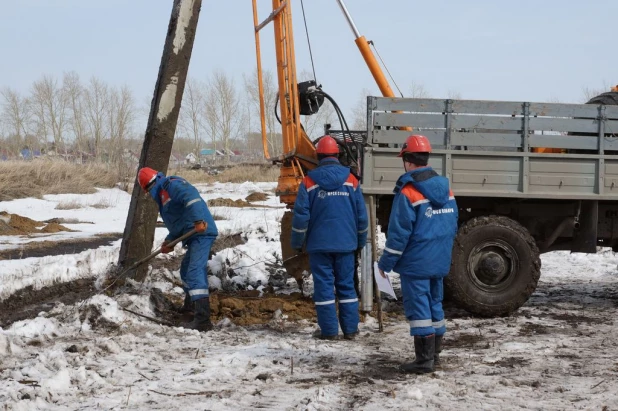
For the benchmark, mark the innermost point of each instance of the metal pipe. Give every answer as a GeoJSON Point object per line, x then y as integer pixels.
{"type": "Point", "coordinates": [367, 265]}
{"type": "Point", "coordinates": [348, 17]}
{"type": "Point", "coordinates": [366, 279]}
{"type": "Point", "coordinates": [260, 79]}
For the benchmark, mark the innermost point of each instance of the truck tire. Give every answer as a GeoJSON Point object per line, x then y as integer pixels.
{"type": "Point", "coordinates": [495, 266]}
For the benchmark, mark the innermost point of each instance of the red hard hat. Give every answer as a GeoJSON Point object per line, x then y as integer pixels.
{"type": "Point", "coordinates": [146, 176]}
{"type": "Point", "coordinates": [327, 145]}
{"type": "Point", "coordinates": [415, 144]}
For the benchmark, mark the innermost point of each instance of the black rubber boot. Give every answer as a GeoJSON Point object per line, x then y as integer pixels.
{"type": "Point", "coordinates": [318, 334]}
{"type": "Point", "coordinates": [201, 318]}
{"type": "Point", "coordinates": [437, 351]}
{"type": "Point", "coordinates": [187, 307]}
{"type": "Point", "coordinates": [350, 336]}
{"type": "Point", "coordinates": [424, 348]}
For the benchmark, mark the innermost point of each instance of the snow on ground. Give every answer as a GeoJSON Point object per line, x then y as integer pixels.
{"type": "Point", "coordinates": [558, 351]}
{"type": "Point", "coordinates": [246, 263]}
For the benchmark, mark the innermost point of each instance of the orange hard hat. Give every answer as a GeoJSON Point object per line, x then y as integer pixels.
{"type": "Point", "coordinates": [415, 144]}
{"type": "Point", "coordinates": [327, 145]}
{"type": "Point", "coordinates": [615, 88]}
{"type": "Point", "coordinates": [145, 176]}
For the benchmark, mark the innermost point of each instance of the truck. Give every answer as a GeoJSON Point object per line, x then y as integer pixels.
{"type": "Point", "coordinates": [528, 177]}
{"type": "Point", "coordinates": [516, 199]}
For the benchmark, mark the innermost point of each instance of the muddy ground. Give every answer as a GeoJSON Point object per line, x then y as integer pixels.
{"type": "Point", "coordinates": [50, 248]}
{"type": "Point", "coordinates": [242, 307]}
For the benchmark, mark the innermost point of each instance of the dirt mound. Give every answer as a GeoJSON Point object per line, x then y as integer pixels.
{"type": "Point", "coordinates": [14, 224]}
{"type": "Point", "coordinates": [242, 308]}
{"type": "Point", "coordinates": [227, 202]}
{"type": "Point", "coordinates": [54, 228]}
{"type": "Point", "coordinates": [256, 197]}
{"type": "Point", "coordinates": [250, 310]}
{"type": "Point", "coordinates": [6, 229]}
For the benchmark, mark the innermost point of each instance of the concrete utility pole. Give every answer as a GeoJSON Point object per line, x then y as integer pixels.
{"type": "Point", "coordinates": [139, 229]}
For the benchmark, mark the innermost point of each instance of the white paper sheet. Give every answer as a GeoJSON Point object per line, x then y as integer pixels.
{"type": "Point", "coordinates": [384, 284]}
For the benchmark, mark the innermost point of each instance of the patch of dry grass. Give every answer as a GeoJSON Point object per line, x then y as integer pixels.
{"type": "Point", "coordinates": [69, 205]}
{"type": "Point", "coordinates": [236, 174]}
{"type": "Point", "coordinates": [76, 205]}
{"type": "Point", "coordinates": [22, 179]}
{"type": "Point", "coordinates": [101, 204]}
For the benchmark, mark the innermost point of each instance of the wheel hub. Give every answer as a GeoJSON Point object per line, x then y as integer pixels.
{"type": "Point", "coordinates": [492, 265]}
{"type": "Point", "coordinates": [492, 268]}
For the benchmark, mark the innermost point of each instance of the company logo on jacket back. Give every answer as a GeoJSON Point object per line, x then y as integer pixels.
{"type": "Point", "coordinates": [323, 194]}
{"type": "Point", "coordinates": [430, 211]}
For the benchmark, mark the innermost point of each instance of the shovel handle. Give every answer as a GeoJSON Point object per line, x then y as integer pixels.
{"type": "Point", "coordinates": [158, 250]}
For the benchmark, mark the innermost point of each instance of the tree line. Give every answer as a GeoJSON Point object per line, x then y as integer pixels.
{"type": "Point", "coordinates": [67, 114]}
{"type": "Point", "coordinates": [70, 115]}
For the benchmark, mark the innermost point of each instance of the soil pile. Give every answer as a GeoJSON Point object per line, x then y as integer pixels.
{"type": "Point", "coordinates": [256, 197]}
{"type": "Point", "coordinates": [227, 202]}
{"type": "Point", "coordinates": [244, 309]}
{"type": "Point", "coordinates": [14, 224]}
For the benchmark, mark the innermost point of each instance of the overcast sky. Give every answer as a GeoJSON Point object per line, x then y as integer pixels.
{"type": "Point", "coordinates": [527, 50]}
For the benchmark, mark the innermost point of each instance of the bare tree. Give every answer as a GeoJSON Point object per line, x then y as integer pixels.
{"type": "Point", "coordinates": [74, 92]}
{"type": "Point", "coordinates": [51, 101]}
{"type": "Point", "coordinates": [359, 111]}
{"type": "Point", "coordinates": [192, 113]}
{"type": "Point", "coordinates": [96, 99]}
{"type": "Point", "coordinates": [271, 95]}
{"type": "Point", "coordinates": [211, 114]}
{"type": "Point", "coordinates": [227, 108]}
{"type": "Point", "coordinates": [120, 115]}
{"type": "Point", "coordinates": [15, 115]}
{"type": "Point", "coordinates": [418, 91]}
{"type": "Point", "coordinates": [453, 95]}
{"type": "Point", "coordinates": [593, 92]}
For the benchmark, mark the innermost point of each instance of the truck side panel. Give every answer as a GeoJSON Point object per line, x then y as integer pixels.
{"type": "Point", "coordinates": [484, 147]}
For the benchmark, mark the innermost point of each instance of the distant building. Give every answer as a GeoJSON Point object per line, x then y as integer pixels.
{"type": "Point", "coordinates": [207, 152]}
{"type": "Point", "coordinates": [190, 159]}
{"type": "Point", "coordinates": [28, 154]}
{"type": "Point", "coordinates": [176, 160]}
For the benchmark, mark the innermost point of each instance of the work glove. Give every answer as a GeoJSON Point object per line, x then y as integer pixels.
{"type": "Point", "coordinates": [200, 226]}
{"type": "Point", "coordinates": [165, 248]}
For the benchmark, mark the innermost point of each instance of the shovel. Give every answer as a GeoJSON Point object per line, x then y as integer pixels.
{"type": "Point", "coordinates": [151, 256]}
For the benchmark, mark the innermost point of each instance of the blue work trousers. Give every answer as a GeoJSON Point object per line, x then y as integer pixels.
{"type": "Point", "coordinates": [422, 304]}
{"type": "Point", "coordinates": [194, 266]}
{"type": "Point", "coordinates": [333, 274]}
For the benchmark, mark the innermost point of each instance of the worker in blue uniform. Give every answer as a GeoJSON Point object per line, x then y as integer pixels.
{"type": "Point", "coordinates": [330, 220]}
{"type": "Point", "coordinates": [421, 231]}
{"type": "Point", "coordinates": [183, 209]}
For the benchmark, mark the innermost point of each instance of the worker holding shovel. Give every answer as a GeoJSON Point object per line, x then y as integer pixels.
{"type": "Point", "coordinates": [183, 210]}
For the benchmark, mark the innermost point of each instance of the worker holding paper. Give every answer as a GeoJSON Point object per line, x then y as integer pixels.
{"type": "Point", "coordinates": [421, 231]}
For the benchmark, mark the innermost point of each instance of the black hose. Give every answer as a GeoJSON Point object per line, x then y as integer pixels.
{"type": "Point", "coordinates": [277, 114]}
{"type": "Point", "coordinates": [344, 125]}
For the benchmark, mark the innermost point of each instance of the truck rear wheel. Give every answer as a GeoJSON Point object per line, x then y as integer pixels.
{"type": "Point", "coordinates": [495, 266]}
